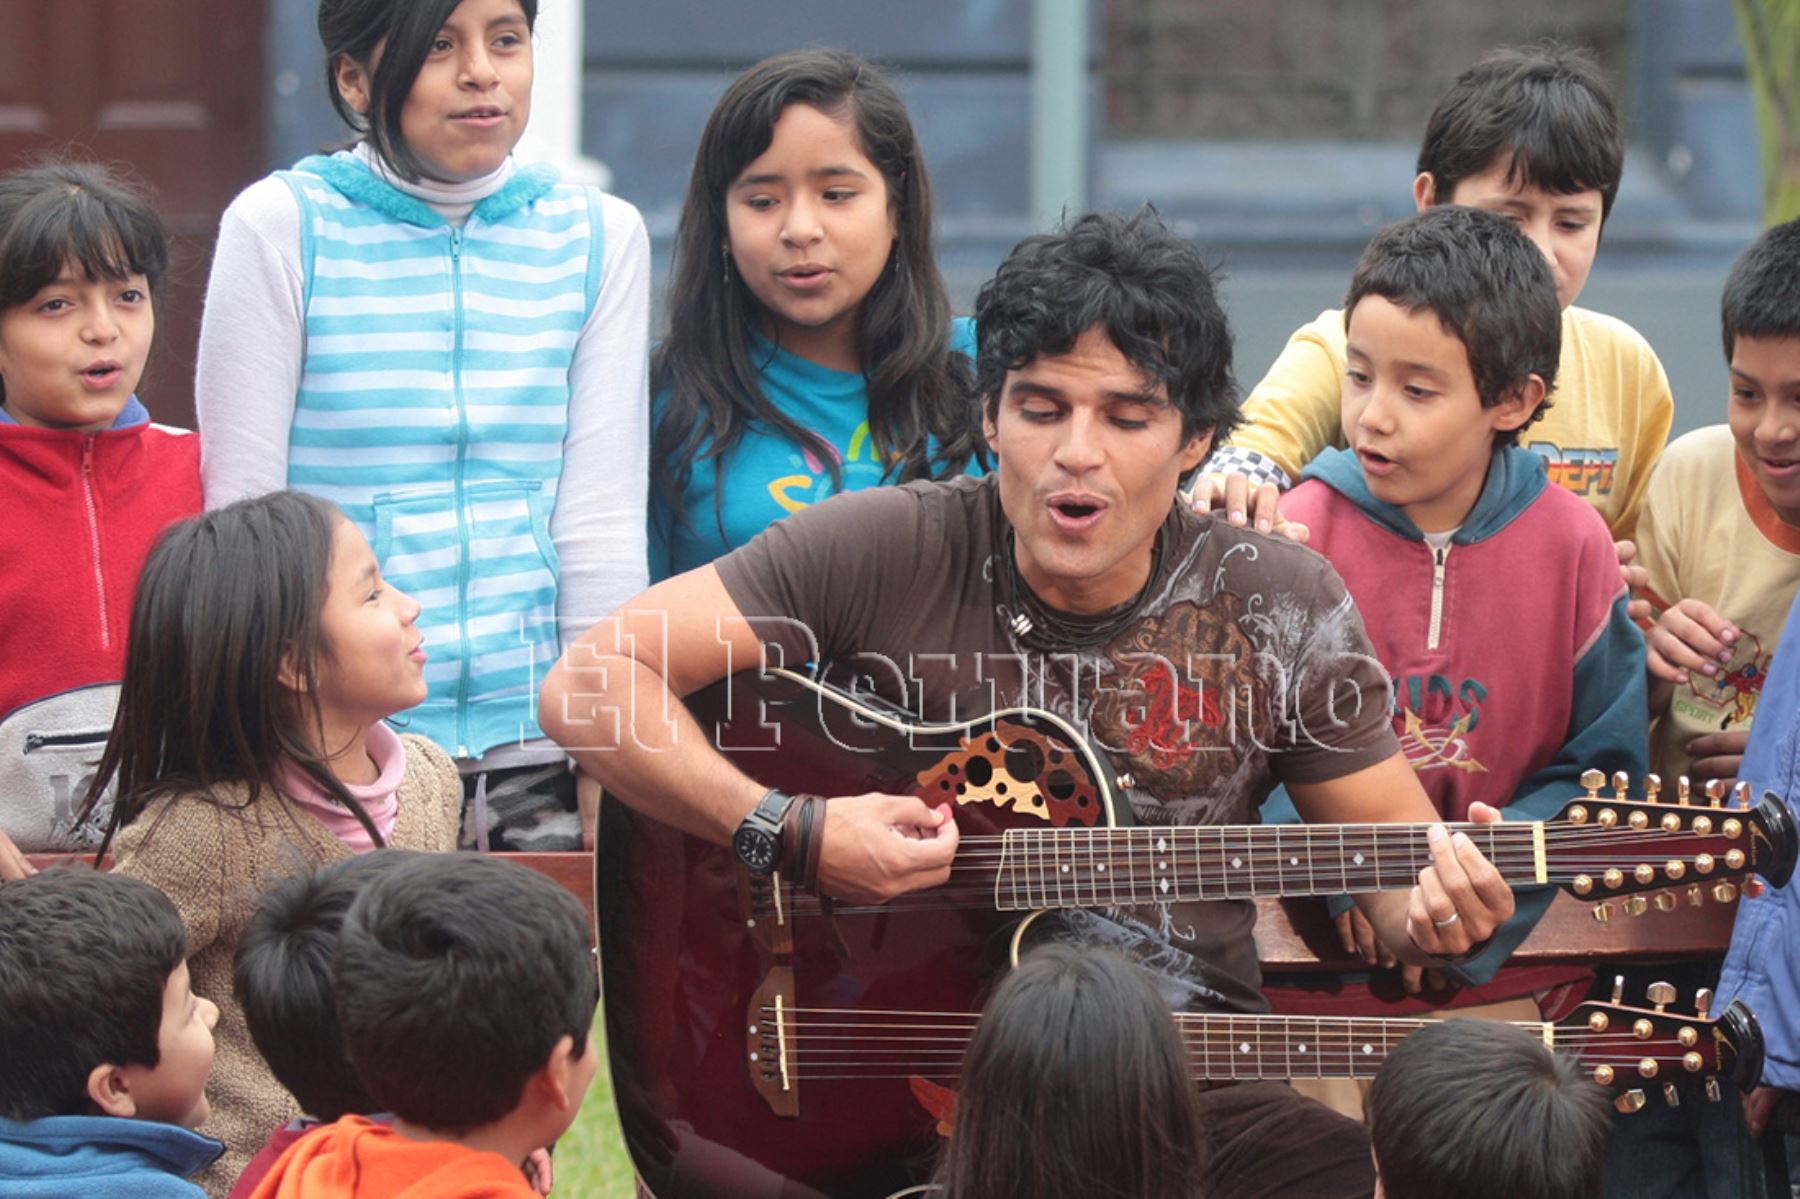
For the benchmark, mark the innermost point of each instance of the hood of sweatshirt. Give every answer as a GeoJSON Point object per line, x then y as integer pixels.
{"type": "Point", "coordinates": [1515, 478]}
{"type": "Point", "coordinates": [104, 1156]}
{"type": "Point", "coordinates": [357, 1158]}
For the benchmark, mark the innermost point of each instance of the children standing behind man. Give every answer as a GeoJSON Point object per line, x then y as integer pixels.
{"type": "Point", "coordinates": [1492, 598]}
{"type": "Point", "coordinates": [1531, 134]}
{"type": "Point", "coordinates": [105, 1046]}
{"type": "Point", "coordinates": [89, 482]}
{"type": "Point", "coordinates": [466, 990]}
{"type": "Point", "coordinates": [1720, 534]}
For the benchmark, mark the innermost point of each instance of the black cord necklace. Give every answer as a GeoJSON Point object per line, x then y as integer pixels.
{"type": "Point", "coordinates": [1036, 625]}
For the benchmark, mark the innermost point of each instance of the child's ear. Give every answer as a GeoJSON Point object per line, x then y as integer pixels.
{"type": "Point", "coordinates": [352, 82]}
{"type": "Point", "coordinates": [290, 675]}
{"type": "Point", "coordinates": [560, 1077]}
{"type": "Point", "coordinates": [108, 1090]}
{"type": "Point", "coordinates": [1516, 406]}
{"type": "Point", "coordinates": [1424, 191]}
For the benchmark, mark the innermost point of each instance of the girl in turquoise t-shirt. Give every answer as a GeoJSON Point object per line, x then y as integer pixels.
{"type": "Point", "coordinates": [810, 347]}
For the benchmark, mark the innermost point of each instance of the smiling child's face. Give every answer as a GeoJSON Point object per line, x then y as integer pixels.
{"type": "Point", "coordinates": [174, 1090]}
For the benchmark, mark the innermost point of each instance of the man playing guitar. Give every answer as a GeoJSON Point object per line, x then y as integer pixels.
{"type": "Point", "coordinates": [1209, 662]}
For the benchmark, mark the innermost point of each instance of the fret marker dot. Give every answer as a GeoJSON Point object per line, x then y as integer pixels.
{"type": "Point", "coordinates": [753, 1055]}
{"type": "Point", "coordinates": [1162, 845]}
{"type": "Point", "coordinates": [1101, 868]}
{"type": "Point", "coordinates": [1358, 859]}
{"type": "Point", "coordinates": [1065, 869]}
{"type": "Point", "coordinates": [1165, 886]}
{"type": "Point", "coordinates": [1302, 1049]}
{"type": "Point", "coordinates": [1237, 863]}
{"type": "Point", "coordinates": [1244, 1048]}
{"type": "Point", "coordinates": [1368, 1049]}
{"type": "Point", "coordinates": [1293, 861]}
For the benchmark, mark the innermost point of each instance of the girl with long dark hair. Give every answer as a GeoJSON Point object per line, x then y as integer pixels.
{"type": "Point", "coordinates": [810, 346]}
{"type": "Point", "coordinates": [265, 654]}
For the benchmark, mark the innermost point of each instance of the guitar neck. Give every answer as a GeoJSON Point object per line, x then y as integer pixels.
{"type": "Point", "coordinates": [1080, 867]}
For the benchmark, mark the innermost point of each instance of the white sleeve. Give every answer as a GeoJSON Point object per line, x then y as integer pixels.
{"type": "Point", "coordinates": [598, 524]}
{"type": "Point", "coordinates": [252, 345]}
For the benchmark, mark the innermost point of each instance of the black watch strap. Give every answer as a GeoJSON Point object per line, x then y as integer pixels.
{"type": "Point", "coordinates": [759, 841]}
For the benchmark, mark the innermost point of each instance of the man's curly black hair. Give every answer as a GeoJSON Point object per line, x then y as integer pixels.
{"type": "Point", "coordinates": [1151, 291]}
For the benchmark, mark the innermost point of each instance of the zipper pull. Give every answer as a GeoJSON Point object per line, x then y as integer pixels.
{"type": "Point", "coordinates": [87, 453]}
{"type": "Point", "coordinates": [455, 243]}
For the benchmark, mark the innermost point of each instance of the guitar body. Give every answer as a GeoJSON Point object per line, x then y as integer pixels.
{"type": "Point", "coordinates": [688, 951]}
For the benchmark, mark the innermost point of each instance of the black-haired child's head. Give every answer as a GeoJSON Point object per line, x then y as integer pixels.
{"type": "Point", "coordinates": [1454, 338]}
{"type": "Point", "coordinates": [1076, 1083]}
{"type": "Point", "coordinates": [1530, 132]}
{"type": "Point", "coordinates": [81, 256]}
{"type": "Point", "coordinates": [1480, 1109]}
{"type": "Point", "coordinates": [282, 978]}
{"type": "Point", "coordinates": [98, 1017]}
{"type": "Point", "coordinates": [466, 989]}
{"type": "Point", "coordinates": [1760, 318]}
{"type": "Point", "coordinates": [440, 88]}
{"type": "Point", "coordinates": [269, 619]}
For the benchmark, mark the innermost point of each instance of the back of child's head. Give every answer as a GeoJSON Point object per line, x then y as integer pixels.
{"type": "Point", "coordinates": [457, 976]}
{"type": "Point", "coordinates": [1762, 293]}
{"type": "Point", "coordinates": [225, 642]}
{"type": "Point", "coordinates": [1487, 285]}
{"type": "Point", "coordinates": [708, 364]}
{"type": "Point", "coordinates": [1541, 111]}
{"type": "Point", "coordinates": [84, 960]}
{"type": "Point", "coordinates": [390, 39]}
{"type": "Point", "coordinates": [74, 216]}
{"type": "Point", "coordinates": [1479, 1109]}
{"type": "Point", "coordinates": [1076, 1083]}
{"type": "Point", "coordinates": [283, 980]}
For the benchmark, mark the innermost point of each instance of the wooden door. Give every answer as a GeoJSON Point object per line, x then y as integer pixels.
{"type": "Point", "coordinates": [172, 91]}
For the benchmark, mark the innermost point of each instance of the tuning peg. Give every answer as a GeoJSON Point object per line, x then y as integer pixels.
{"type": "Point", "coordinates": [1621, 785]}
{"type": "Point", "coordinates": [1665, 901]}
{"type": "Point", "coordinates": [1593, 780]}
{"type": "Point", "coordinates": [1661, 994]}
{"type": "Point", "coordinates": [1618, 989]}
{"type": "Point", "coordinates": [1754, 887]}
{"type": "Point", "coordinates": [1671, 1096]}
{"type": "Point", "coordinates": [1715, 792]}
{"type": "Point", "coordinates": [1724, 892]}
{"type": "Point", "coordinates": [1684, 790]}
{"type": "Point", "coordinates": [1603, 912]}
{"type": "Point", "coordinates": [1740, 795]}
{"type": "Point", "coordinates": [1712, 1089]}
{"type": "Point", "coordinates": [1695, 896]}
{"type": "Point", "coordinates": [1652, 787]}
{"type": "Point", "coordinates": [1702, 1001]}
{"type": "Point", "coordinates": [1636, 905]}
{"type": "Point", "coordinates": [1631, 1101]}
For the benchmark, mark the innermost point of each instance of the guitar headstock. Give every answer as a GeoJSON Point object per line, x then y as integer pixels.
{"type": "Point", "coordinates": [1608, 846]}
{"type": "Point", "coordinates": [1641, 1051]}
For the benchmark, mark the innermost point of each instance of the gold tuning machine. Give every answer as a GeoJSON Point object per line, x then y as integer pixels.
{"type": "Point", "coordinates": [1603, 912]}
{"type": "Point", "coordinates": [1637, 905]}
{"type": "Point", "coordinates": [1712, 1090]}
{"type": "Point", "coordinates": [1671, 1096]}
{"type": "Point", "coordinates": [1715, 792]}
{"type": "Point", "coordinates": [1754, 887]}
{"type": "Point", "coordinates": [1740, 795]}
{"type": "Point", "coordinates": [1702, 1001]}
{"type": "Point", "coordinates": [1593, 780]}
{"type": "Point", "coordinates": [1631, 1101]}
{"type": "Point", "coordinates": [1684, 791]}
{"type": "Point", "coordinates": [1652, 787]}
{"type": "Point", "coordinates": [1618, 989]}
{"type": "Point", "coordinates": [1621, 786]}
{"type": "Point", "coordinates": [1724, 892]}
{"type": "Point", "coordinates": [1696, 897]}
{"type": "Point", "coordinates": [1660, 994]}
{"type": "Point", "coordinates": [1664, 901]}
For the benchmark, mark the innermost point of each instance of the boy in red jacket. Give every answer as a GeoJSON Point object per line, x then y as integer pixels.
{"type": "Point", "coordinates": [89, 481]}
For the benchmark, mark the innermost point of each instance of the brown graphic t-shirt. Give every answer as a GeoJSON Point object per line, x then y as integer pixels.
{"type": "Point", "coordinates": [1242, 665]}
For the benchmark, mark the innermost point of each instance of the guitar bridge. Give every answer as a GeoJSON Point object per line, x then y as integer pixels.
{"type": "Point", "coordinates": [770, 1040]}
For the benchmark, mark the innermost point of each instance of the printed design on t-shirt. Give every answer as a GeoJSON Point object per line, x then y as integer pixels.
{"type": "Point", "coordinates": [798, 490]}
{"type": "Point", "coordinates": [1728, 699]}
{"type": "Point", "coordinates": [1433, 719]}
{"type": "Point", "coordinates": [1175, 706]}
{"type": "Point", "coordinates": [1584, 471]}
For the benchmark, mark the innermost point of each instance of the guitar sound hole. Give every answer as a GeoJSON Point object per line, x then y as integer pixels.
{"type": "Point", "coordinates": [1024, 760]}
{"type": "Point", "coordinates": [1060, 784]}
{"type": "Point", "coordinates": [980, 772]}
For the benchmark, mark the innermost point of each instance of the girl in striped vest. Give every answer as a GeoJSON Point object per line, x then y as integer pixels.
{"type": "Point", "coordinates": [810, 346]}
{"type": "Point", "coordinates": [450, 347]}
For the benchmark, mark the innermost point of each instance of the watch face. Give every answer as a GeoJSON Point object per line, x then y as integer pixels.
{"type": "Point", "coordinates": [755, 849]}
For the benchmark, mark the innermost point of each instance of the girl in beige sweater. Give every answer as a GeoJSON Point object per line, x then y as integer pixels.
{"type": "Point", "coordinates": [250, 744]}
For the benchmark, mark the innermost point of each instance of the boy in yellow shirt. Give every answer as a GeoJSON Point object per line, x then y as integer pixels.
{"type": "Point", "coordinates": [1531, 134]}
{"type": "Point", "coordinates": [1720, 531]}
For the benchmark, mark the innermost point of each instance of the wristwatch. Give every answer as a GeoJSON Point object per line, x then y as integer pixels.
{"type": "Point", "coordinates": [757, 841]}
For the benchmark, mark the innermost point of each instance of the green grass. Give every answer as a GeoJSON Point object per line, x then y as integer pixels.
{"type": "Point", "coordinates": [591, 1162]}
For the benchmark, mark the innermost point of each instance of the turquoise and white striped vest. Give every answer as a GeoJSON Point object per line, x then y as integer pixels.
{"type": "Point", "coordinates": [432, 408]}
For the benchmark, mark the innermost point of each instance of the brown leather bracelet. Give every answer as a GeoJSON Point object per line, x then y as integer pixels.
{"type": "Point", "coordinates": [793, 839]}
{"type": "Point", "coordinates": [815, 843]}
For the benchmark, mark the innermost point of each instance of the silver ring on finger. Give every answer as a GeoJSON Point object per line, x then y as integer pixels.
{"type": "Point", "coordinates": [1441, 925]}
